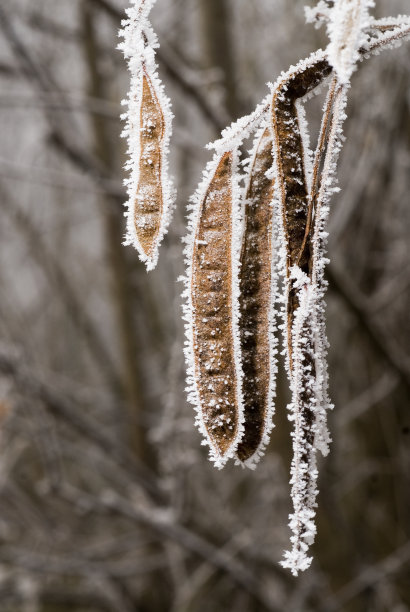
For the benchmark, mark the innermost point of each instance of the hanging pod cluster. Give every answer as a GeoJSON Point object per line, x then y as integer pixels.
{"type": "Point", "coordinates": [255, 255]}
{"type": "Point", "coordinates": [256, 248]}
{"type": "Point", "coordinates": [242, 241]}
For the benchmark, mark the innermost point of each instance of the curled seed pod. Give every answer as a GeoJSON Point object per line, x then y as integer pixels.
{"type": "Point", "coordinates": [258, 288]}
{"type": "Point", "coordinates": [212, 312]}
{"type": "Point", "coordinates": [294, 179]}
{"type": "Point", "coordinates": [291, 171]}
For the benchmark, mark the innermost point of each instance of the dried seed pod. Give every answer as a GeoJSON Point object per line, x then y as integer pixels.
{"type": "Point", "coordinates": [294, 180]}
{"type": "Point", "coordinates": [148, 129]}
{"type": "Point", "coordinates": [212, 312]}
{"type": "Point", "coordinates": [149, 200]}
{"type": "Point", "coordinates": [291, 171]}
{"type": "Point", "coordinates": [258, 287]}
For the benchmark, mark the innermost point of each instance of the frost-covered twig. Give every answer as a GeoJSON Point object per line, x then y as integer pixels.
{"type": "Point", "coordinates": [234, 134]}
{"type": "Point", "coordinates": [347, 26]}
{"type": "Point", "coordinates": [389, 39]}
{"type": "Point", "coordinates": [389, 32]}
{"type": "Point", "coordinates": [148, 129]}
{"type": "Point", "coordinates": [318, 14]}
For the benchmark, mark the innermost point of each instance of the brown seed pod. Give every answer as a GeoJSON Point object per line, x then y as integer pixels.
{"type": "Point", "coordinates": [256, 305]}
{"type": "Point", "coordinates": [297, 195]}
{"type": "Point", "coordinates": [296, 202]}
{"type": "Point", "coordinates": [212, 313]}
{"type": "Point", "coordinates": [148, 130]}
{"type": "Point", "coordinates": [291, 171]}
{"type": "Point", "coordinates": [149, 201]}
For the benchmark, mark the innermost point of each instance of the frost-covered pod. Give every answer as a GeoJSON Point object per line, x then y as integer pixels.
{"type": "Point", "coordinates": [294, 182]}
{"type": "Point", "coordinates": [292, 174]}
{"type": "Point", "coordinates": [258, 288]}
{"type": "Point", "coordinates": [212, 311]}
{"type": "Point", "coordinates": [145, 220]}
{"type": "Point", "coordinates": [148, 129]}
{"type": "Point", "coordinates": [303, 385]}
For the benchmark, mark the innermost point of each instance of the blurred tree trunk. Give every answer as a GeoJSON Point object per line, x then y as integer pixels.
{"type": "Point", "coordinates": [218, 48]}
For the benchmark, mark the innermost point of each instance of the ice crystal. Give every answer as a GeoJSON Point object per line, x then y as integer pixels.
{"type": "Point", "coordinates": [349, 20]}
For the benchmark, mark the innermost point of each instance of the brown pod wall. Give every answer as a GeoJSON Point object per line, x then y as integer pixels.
{"type": "Point", "coordinates": [256, 300]}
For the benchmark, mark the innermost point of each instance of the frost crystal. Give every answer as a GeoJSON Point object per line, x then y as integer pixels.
{"type": "Point", "coordinates": [318, 14]}
{"type": "Point", "coordinates": [148, 129]}
{"type": "Point", "coordinates": [346, 29]}
{"type": "Point", "coordinates": [239, 130]}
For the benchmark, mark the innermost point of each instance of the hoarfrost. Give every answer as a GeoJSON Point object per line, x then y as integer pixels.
{"type": "Point", "coordinates": [346, 28]}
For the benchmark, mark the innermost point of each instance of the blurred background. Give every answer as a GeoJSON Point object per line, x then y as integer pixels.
{"type": "Point", "coordinates": [107, 499]}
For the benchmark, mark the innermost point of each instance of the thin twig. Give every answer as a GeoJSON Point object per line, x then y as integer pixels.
{"type": "Point", "coordinates": [176, 75]}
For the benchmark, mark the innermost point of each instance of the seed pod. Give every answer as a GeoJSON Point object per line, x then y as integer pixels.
{"type": "Point", "coordinates": [148, 205]}
{"type": "Point", "coordinates": [148, 130]}
{"type": "Point", "coordinates": [258, 286]}
{"type": "Point", "coordinates": [292, 173]}
{"type": "Point", "coordinates": [294, 181]}
{"type": "Point", "coordinates": [212, 311]}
